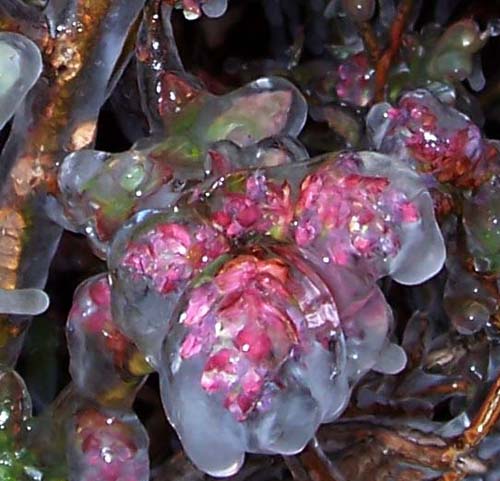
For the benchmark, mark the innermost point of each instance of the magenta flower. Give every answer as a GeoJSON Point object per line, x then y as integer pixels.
{"type": "Point", "coordinates": [251, 203]}
{"type": "Point", "coordinates": [99, 352]}
{"type": "Point", "coordinates": [357, 215]}
{"type": "Point", "coordinates": [91, 314]}
{"type": "Point", "coordinates": [263, 336]}
{"type": "Point", "coordinates": [435, 137]}
{"type": "Point", "coordinates": [257, 349]}
{"type": "Point", "coordinates": [170, 253]}
{"type": "Point", "coordinates": [153, 259]}
{"type": "Point", "coordinates": [356, 81]}
{"type": "Point", "coordinates": [108, 447]}
{"type": "Point", "coordinates": [365, 210]}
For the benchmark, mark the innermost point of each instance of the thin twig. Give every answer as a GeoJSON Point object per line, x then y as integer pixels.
{"type": "Point", "coordinates": [370, 41]}
{"type": "Point", "coordinates": [396, 36]}
{"type": "Point", "coordinates": [481, 425]}
{"type": "Point", "coordinates": [296, 468]}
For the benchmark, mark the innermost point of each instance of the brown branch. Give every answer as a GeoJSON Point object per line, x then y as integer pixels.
{"type": "Point", "coordinates": [413, 446]}
{"type": "Point", "coordinates": [453, 458]}
{"type": "Point", "coordinates": [59, 116]}
{"type": "Point", "coordinates": [296, 468]}
{"type": "Point", "coordinates": [396, 36]}
{"type": "Point", "coordinates": [481, 425]}
{"type": "Point", "coordinates": [317, 465]}
{"type": "Point", "coordinates": [370, 41]}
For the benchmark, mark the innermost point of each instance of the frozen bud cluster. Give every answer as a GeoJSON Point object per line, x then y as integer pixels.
{"type": "Point", "coordinates": [107, 446]}
{"type": "Point", "coordinates": [244, 204]}
{"type": "Point", "coordinates": [100, 191]}
{"type": "Point", "coordinates": [153, 259]}
{"type": "Point", "coordinates": [104, 363]}
{"type": "Point", "coordinates": [434, 137]}
{"type": "Point", "coordinates": [254, 360]}
{"type": "Point", "coordinates": [369, 212]}
{"type": "Point", "coordinates": [254, 295]}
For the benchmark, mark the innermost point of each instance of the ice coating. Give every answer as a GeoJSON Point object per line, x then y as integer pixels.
{"type": "Point", "coordinates": [214, 8]}
{"type": "Point", "coordinates": [30, 302]}
{"type": "Point", "coordinates": [356, 80]}
{"type": "Point", "coordinates": [15, 403]}
{"type": "Point", "coordinates": [104, 364]}
{"type": "Point", "coordinates": [452, 55]}
{"type": "Point", "coordinates": [262, 338]}
{"type": "Point", "coordinates": [266, 107]}
{"type": "Point", "coordinates": [481, 219]}
{"type": "Point", "coordinates": [192, 9]}
{"type": "Point", "coordinates": [20, 67]}
{"type": "Point", "coordinates": [16, 461]}
{"type": "Point", "coordinates": [244, 204]}
{"type": "Point", "coordinates": [467, 302]}
{"type": "Point", "coordinates": [434, 137]}
{"type": "Point", "coordinates": [367, 211]}
{"type": "Point", "coordinates": [225, 156]}
{"type": "Point", "coordinates": [365, 317]}
{"type": "Point", "coordinates": [106, 445]}
{"type": "Point", "coordinates": [100, 191]}
{"type": "Point", "coordinates": [153, 259]}
{"type": "Point", "coordinates": [359, 10]}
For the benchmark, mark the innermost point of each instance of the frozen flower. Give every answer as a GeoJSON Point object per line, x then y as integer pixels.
{"type": "Point", "coordinates": [104, 363]}
{"type": "Point", "coordinates": [107, 446]}
{"type": "Point", "coordinates": [434, 137]}
{"type": "Point", "coordinates": [251, 203]}
{"type": "Point", "coordinates": [153, 259]}
{"type": "Point", "coordinates": [100, 191]}
{"type": "Point", "coordinates": [356, 81]}
{"type": "Point", "coordinates": [254, 361]}
{"type": "Point", "coordinates": [367, 211]}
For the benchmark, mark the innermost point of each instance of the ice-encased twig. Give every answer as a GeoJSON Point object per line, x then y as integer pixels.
{"type": "Point", "coordinates": [59, 116]}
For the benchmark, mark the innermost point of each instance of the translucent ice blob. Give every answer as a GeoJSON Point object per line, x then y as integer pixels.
{"type": "Point", "coordinates": [20, 67]}
{"type": "Point", "coordinates": [254, 361]}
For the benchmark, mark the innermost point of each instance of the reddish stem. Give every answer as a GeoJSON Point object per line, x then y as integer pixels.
{"type": "Point", "coordinates": [396, 36]}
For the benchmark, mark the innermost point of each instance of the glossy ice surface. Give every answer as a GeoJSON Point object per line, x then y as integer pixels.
{"type": "Point", "coordinates": [20, 67]}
